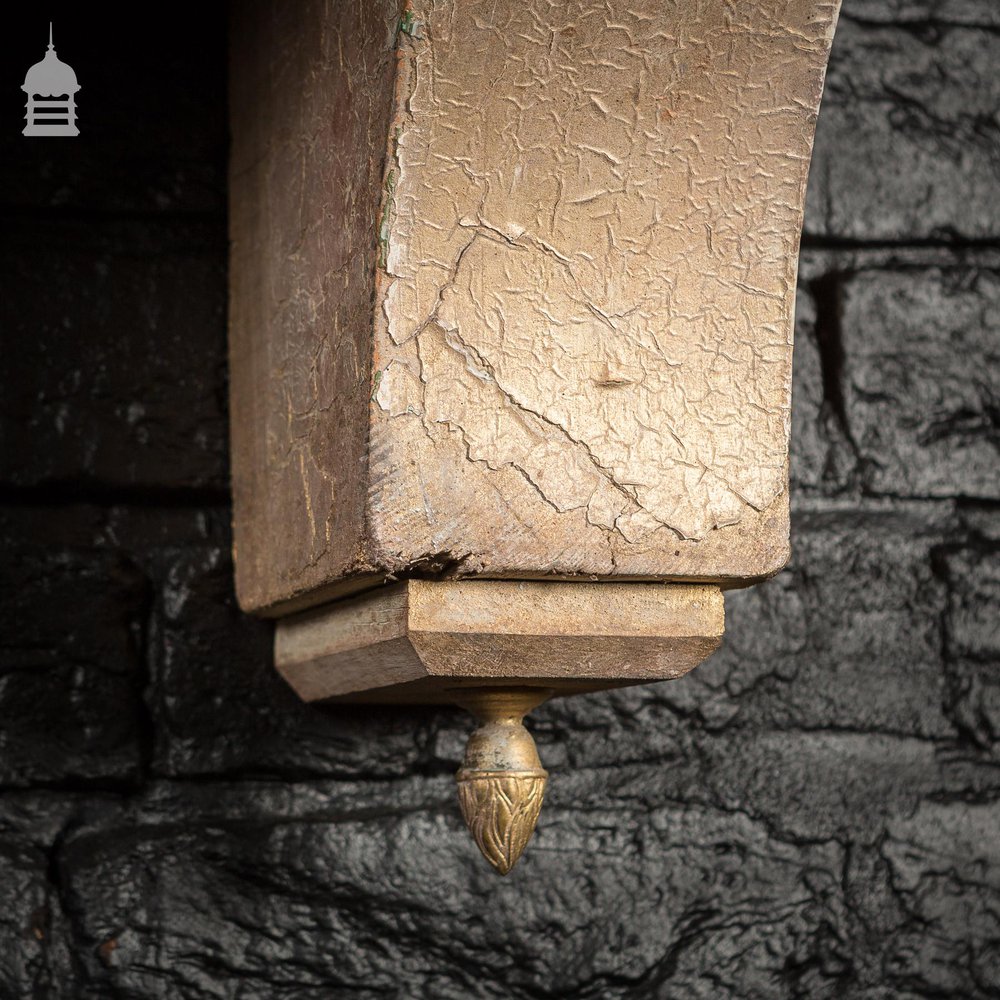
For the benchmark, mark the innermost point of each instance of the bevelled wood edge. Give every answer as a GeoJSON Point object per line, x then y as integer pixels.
{"type": "Point", "coordinates": [422, 641]}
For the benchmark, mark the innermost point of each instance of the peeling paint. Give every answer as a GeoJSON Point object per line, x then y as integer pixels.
{"type": "Point", "coordinates": [397, 390]}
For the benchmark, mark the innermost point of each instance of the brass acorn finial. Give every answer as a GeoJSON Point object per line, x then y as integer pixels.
{"type": "Point", "coordinates": [501, 782]}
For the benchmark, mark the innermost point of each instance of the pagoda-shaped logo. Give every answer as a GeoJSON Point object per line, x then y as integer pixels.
{"type": "Point", "coordinates": [51, 88]}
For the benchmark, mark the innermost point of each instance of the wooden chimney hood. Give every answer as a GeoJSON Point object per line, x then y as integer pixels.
{"type": "Point", "coordinates": [512, 297]}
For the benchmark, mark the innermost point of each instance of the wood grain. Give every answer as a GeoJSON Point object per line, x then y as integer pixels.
{"type": "Point", "coordinates": [422, 640]}
{"type": "Point", "coordinates": [311, 87]}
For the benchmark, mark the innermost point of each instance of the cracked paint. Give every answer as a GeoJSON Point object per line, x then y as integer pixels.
{"type": "Point", "coordinates": [593, 214]}
{"type": "Point", "coordinates": [305, 197]}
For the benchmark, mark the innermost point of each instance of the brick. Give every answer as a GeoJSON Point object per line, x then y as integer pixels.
{"type": "Point", "coordinates": [984, 13]}
{"type": "Point", "coordinates": [702, 900]}
{"type": "Point", "coordinates": [34, 952]}
{"type": "Point", "coordinates": [848, 637]}
{"type": "Point", "coordinates": [822, 459]}
{"type": "Point", "coordinates": [35, 937]}
{"type": "Point", "coordinates": [922, 361]}
{"type": "Point", "coordinates": [119, 374]}
{"type": "Point", "coordinates": [972, 625]}
{"type": "Point", "coordinates": [71, 667]}
{"type": "Point", "coordinates": [972, 630]}
{"type": "Point", "coordinates": [944, 867]}
{"type": "Point", "coordinates": [905, 113]}
{"type": "Point", "coordinates": [130, 591]}
{"type": "Point", "coordinates": [809, 450]}
{"type": "Point", "coordinates": [219, 706]}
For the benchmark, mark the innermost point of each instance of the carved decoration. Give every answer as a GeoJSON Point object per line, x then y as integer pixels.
{"type": "Point", "coordinates": [500, 810]}
{"type": "Point", "coordinates": [501, 783]}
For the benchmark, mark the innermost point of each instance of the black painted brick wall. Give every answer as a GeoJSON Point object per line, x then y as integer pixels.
{"type": "Point", "coordinates": [813, 813]}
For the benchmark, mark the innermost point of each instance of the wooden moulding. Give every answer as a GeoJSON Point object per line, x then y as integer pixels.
{"type": "Point", "coordinates": [427, 641]}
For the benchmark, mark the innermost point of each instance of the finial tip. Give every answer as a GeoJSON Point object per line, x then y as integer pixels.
{"type": "Point", "coordinates": [501, 783]}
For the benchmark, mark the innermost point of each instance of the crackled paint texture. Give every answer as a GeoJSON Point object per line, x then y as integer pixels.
{"type": "Point", "coordinates": [592, 219]}
{"type": "Point", "coordinates": [308, 129]}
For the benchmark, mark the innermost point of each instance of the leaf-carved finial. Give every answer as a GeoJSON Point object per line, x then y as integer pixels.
{"type": "Point", "coordinates": [501, 783]}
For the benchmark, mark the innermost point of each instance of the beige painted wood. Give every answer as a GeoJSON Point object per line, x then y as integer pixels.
{"type": "Point", "coordinates": [423, 640]}
{"type": "Point", "coordinates": [513, 289]}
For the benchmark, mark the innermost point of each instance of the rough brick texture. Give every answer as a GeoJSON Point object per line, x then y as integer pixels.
{"type": "Point", "coordinates": [812, 813]}
{"type": "Point", "coordinates": [910, 105]}
{"type": "Point", "coordinates": [922, 350]}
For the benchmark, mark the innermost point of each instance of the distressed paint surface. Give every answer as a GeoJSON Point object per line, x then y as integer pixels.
{"type": "Point", "coordinates": [512, 289]}
{"type": "Point", "coordinates": [311, 102]}
{"type": "Point", "coordinates": [590, 236]}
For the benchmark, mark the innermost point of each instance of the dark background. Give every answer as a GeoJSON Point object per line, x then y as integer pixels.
{"type": "Point", "coordinates": [815, 812]}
